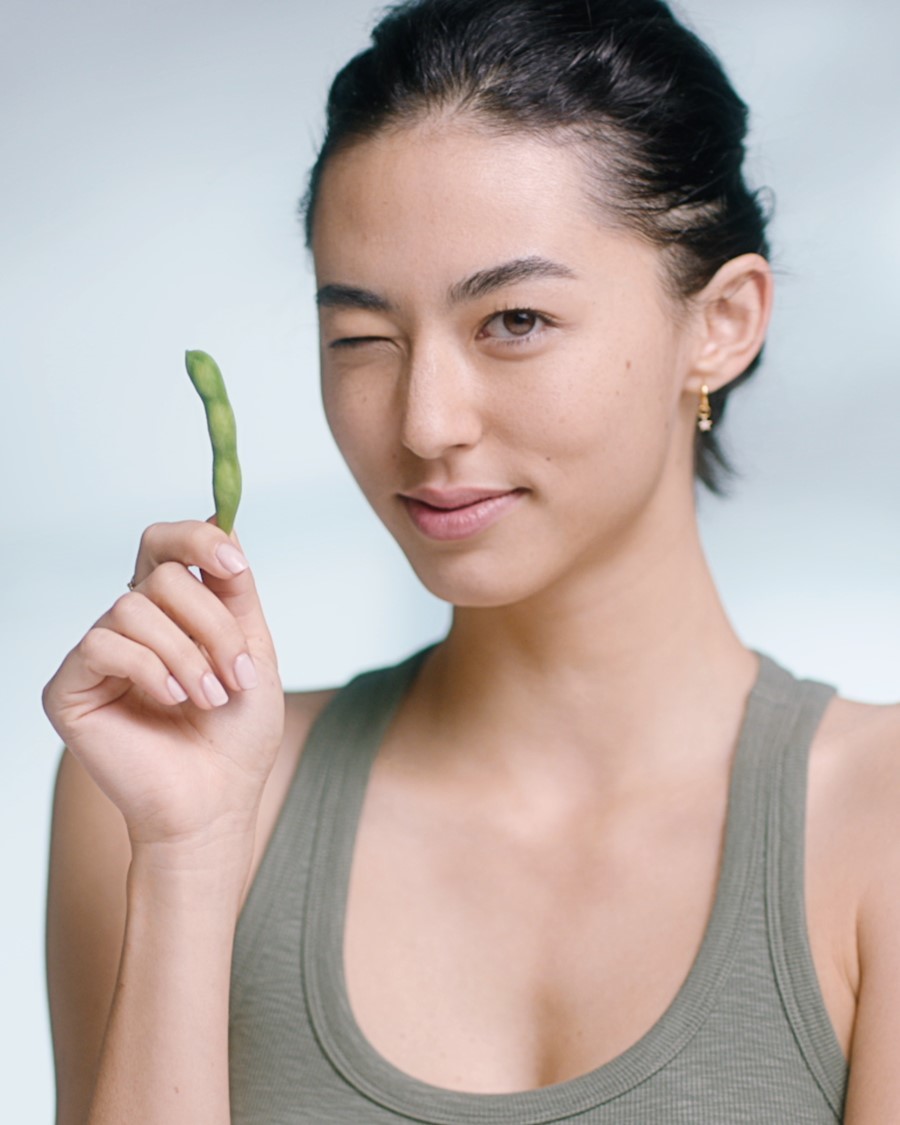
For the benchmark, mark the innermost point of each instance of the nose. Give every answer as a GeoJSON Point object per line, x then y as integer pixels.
{"type": "Point", "coordinates": [440, 408]}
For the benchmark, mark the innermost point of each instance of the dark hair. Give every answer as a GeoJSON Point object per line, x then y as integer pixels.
{"type": "Point", "coordinates": [663, 127]}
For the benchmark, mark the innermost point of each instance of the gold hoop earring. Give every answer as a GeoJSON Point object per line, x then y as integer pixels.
{"type": "Point", "coordinates": [704, 413]}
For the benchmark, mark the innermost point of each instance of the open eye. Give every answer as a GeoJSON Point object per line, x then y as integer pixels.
{"type": "Point", "coordinates": [513, 325]}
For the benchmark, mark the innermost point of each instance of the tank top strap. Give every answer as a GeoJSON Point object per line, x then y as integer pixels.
{"type": "Point", "coordinates": [770, 729]}
{"type": "Point", "coordinates": [341, 741]}
{"type": "Point", "coordinates": [353, 725]}
{"type": "Point", "coordinates": [749, 1010]}
{"type": "Point", "coordinates": [801, 704]}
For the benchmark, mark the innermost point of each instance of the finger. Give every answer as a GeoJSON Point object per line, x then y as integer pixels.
{"type": "Point", "coordinates": [223, 567]}
{"type": "Point", "coordinates": [136, 617]}
{"type": "Point", "coordinates": [103, 654]}
{"type": "Point", "coordinates": [200, 615]}
{"type": "Point", "coordinates": [240, 596]}
{"type": "Point", "coordinates": [192, 543]}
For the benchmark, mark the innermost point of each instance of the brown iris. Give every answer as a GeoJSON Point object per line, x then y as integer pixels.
{"type": "Point", "coordinates": [519, 322]}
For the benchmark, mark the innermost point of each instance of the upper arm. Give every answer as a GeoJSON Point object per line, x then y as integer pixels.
{"type": "Point", "coordinates": [89, 858]}
{"type": "Point", "coordinates": [874, 1089]}
{"type": "Point", "coordinates": [873, 1093]}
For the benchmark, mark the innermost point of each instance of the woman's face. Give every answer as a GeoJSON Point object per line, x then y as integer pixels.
{"type": "Point", "coordinates": [503, 374]}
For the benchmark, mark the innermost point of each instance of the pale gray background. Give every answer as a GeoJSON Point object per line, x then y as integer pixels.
{"type": "Point", "coordinates": [150, 159]}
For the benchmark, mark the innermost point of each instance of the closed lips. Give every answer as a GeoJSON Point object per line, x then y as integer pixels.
{"type": "Point", "coordinates": [452, 501]}
{"type": "Point", "coordinates": [458, 513]}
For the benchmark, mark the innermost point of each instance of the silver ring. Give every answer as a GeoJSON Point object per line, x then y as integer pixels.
{"type": "Point", "coordinates": [132, 583]}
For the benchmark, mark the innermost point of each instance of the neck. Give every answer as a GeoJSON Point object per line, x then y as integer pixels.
{"type": "Point", "coordinates": [618, 673]}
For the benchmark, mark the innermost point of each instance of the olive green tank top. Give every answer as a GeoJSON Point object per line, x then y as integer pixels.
{"type": "Point", "coordinates": [747, 1038]}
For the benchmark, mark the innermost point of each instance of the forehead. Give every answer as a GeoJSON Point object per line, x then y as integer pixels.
{"type": "Point", "coordinates": [441, 191]}
{"type": "Point", "coordinates": [409, 213]}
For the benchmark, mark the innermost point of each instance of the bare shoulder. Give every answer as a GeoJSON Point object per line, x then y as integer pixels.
{"type": "Point", "coordinates": [854, 836]}
{"type": "Point", "coordinates": [855, 766]}
{"type": "Point", "coordinates": [854, 801]}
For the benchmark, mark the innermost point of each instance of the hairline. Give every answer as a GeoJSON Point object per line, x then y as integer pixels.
{"type": "Point", "coordinates": [585, 141]}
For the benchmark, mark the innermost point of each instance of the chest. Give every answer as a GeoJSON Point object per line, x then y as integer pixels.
{"type": "Point", "coordinates": [481, 960]}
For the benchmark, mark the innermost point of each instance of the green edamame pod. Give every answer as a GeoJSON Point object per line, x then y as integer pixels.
{"type": "Point", "coordinates": [207, 379]}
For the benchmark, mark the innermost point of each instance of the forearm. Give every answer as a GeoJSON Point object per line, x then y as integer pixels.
{"type": "Point", "coordinates": [165, 1054]}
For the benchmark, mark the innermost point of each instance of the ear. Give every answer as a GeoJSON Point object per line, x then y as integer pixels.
{"type": "Point", "coordinates": [733, 313]}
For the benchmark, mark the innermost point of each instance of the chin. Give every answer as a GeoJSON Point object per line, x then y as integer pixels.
{"type": "Point", "coordinates": [474, 579]}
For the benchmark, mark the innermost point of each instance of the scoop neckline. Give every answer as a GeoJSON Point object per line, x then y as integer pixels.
{"type": "Point", "coordinates": [322, 944]}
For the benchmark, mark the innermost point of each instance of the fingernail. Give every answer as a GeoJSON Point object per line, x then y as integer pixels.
{"type": "Point", "coordinates": [176, 690]}
{"type": "Point", "coordinates": [213, 690]}
{"type": "Point", "coordinates": [231, 558]}
{"type": "Point", "coordinates": [245, 671]}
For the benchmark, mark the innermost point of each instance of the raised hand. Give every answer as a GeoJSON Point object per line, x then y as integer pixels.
{"type": "Point", "coordinates": [172, 700]}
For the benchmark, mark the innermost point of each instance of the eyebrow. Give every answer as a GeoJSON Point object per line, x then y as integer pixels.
{"type": "Point", "coordinates": [496, 277]}
{"type": "Point", "coordinates": [350, 297]}
{"type": "Point", "coordinates": [485, 281]}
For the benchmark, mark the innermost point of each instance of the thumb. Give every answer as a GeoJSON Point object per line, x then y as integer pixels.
{"type": "Point", "coordinates": [238, 593]}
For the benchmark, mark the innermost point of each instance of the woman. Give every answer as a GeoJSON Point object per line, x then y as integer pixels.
{"type": "Point", "coordinates": [553, 867]}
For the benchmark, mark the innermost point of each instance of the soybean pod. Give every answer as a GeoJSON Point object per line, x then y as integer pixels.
{"type": "Point", "coordinates": [226, 475]}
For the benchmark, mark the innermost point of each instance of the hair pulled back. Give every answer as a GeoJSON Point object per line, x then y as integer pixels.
{"type": "Point", "coordinates": [661, 126]}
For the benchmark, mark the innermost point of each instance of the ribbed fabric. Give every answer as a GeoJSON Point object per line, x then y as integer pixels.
{"type": "Point", "coordinates": [746, 1041]}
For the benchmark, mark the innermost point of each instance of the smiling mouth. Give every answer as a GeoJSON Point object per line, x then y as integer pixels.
{"type": "Point", "coordinates": [459, 513]}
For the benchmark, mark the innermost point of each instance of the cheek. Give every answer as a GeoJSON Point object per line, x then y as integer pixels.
{"type": "Point", "coordinates": [598, 405]}
{"type": "Point", "coordinates": [605, 434]}
{"type": "Point", "coordinates": [345, 412]}
{"type": "Point", "coordinates": [360, 423]}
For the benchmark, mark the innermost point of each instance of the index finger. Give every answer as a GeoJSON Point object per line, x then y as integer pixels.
{"type": "Point", "coordinates": [192, 543]}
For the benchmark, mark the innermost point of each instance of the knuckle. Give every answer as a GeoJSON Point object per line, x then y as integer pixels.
{"type": "Point", "coordinates": [202, 539]}
{"type": "Point", "coordinates": [191, 665]}
{"type": "Point", "coordinates": [151, 535]}
{"type": "Point", "coordinates": [48, 695]}
{"type": "Point", "coordinates": [147, 663]}
{"type": "Point", "coordinates": [223, 641]}
{"type": "Point", "coordinates": [219, 634]}
{"type": "Point", "coordinates": [168, 575]}
{"type": "Point", "coordinates": [93, 644]}
{"type": "Point", "coordinates": [116, 611]}
{"type": "Point", "coordinates": [127, 609]}
{"type": "Point", "coordinates": [191, 541]}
